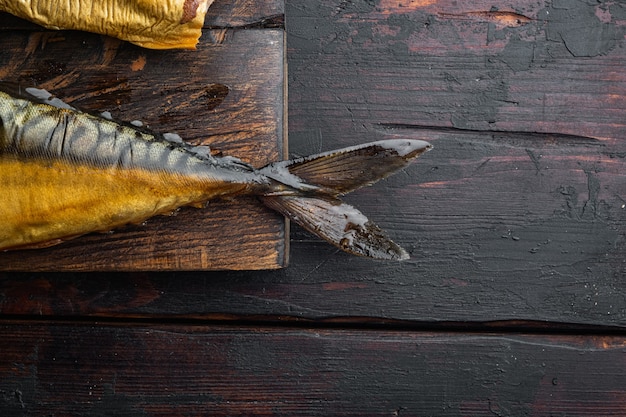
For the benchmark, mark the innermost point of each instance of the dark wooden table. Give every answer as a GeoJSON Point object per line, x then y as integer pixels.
{"type": "Point", "coordinates": [514, 301]}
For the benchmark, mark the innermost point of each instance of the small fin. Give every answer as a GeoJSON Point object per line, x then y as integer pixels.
{"type": "Point", "coordinates": [339, 172]}
{"type": "Point", "coordinates": [106, 115]}
{"type": "Point", "coordinates": [338, 223]}
{"type": "Point", "coordinates": [38, 95]}
{"type": "Point", "coordinates": [173, 137]}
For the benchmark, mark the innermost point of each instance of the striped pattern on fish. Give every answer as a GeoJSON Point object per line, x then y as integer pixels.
{"type": "Point", "coordinates": [65, 173]}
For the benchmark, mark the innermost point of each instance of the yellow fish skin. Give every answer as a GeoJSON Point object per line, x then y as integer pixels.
{"type": "Point", "coordinates": [66, 173]}
{"type": "Point", "coordinates": [94, 199]}
{"type": "Point", "coordinates": [154, 24]}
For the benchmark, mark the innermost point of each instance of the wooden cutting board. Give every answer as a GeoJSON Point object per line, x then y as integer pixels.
{"type": "Point", "coordinates": [228, 94]}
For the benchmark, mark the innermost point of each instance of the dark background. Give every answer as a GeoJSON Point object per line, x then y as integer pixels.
{"type": "Point", "coordinates": [513, 302]}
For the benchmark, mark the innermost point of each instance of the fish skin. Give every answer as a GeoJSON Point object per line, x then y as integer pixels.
{"type": "Point", "coordinates": [98, 166]}
{"type": "Point", "coordinates": [65, 173]}
{"type": "Point", "coordinates": [154, 24]}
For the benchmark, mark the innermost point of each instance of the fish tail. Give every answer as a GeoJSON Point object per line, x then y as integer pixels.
{"type": "Point", "coordinates": [307, 191]}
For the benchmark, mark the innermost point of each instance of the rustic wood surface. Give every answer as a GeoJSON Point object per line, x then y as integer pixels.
{"type": "Point", "coordinates": [164, 370]}
{"type": "Point", "coordinates": [514, 301]}
{"type": "Point", "coordinates": [227, 94]}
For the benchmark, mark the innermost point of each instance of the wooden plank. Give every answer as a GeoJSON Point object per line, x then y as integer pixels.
{"type": "Point", "coordinates": [518, 212]}
{"type": "Point", "coordinates": [229, 94]}
{"type": "Point", "coordinates": [86, 370]}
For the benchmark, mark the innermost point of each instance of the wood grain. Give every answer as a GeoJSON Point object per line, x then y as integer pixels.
{"type": "Point", "coordinates": [518, 212]}
{"type": "Point", "coordinates": [198, 370]}
{"type": "Point", "coordinates": [228, 94]}
{"type": "Point", "coordinates": [246, 13]}
{"type": "Point", "coordinates": [502, 224]}
{"type": "Point", "coordinates": [513, 303]}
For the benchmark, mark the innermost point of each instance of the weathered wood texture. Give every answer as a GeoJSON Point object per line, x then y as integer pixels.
{"type": "Point", "coordinates": [523, 222]}
{"type": "Point", "coordinates": [246, 14]}
{"type": "Point", "coordinates": [520, 209]}
{"type": "Point", "coordinates": [516, 224]}
{"type": "Point", "coordinates": [156, 370]}
{"type": "Point", "coordinates": [228, 94]}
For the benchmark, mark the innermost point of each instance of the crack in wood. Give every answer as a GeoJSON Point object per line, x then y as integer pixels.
{"type": "Point", "coordinates": [499, 18]}
{"type": "Point", "coordinates": [499, 137]}
{"type": "Point", "coordinates": [270, 22]}
{"type": "Point", "coordinates": [326, 322]}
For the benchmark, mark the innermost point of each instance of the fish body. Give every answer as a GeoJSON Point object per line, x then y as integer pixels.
{"type": "Point", "coordinates": [155, 24]}
{"type": "Point", "coordinates": [66, 173]}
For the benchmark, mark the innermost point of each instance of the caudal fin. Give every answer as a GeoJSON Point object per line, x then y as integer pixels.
{"type": "Point", "coordinates": [308, 191]}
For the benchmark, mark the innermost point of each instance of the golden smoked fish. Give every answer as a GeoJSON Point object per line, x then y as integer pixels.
{"type": "Point", "coordinates": [65, 173]}
{"type": "Point", "coordinates": [155, 24]}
